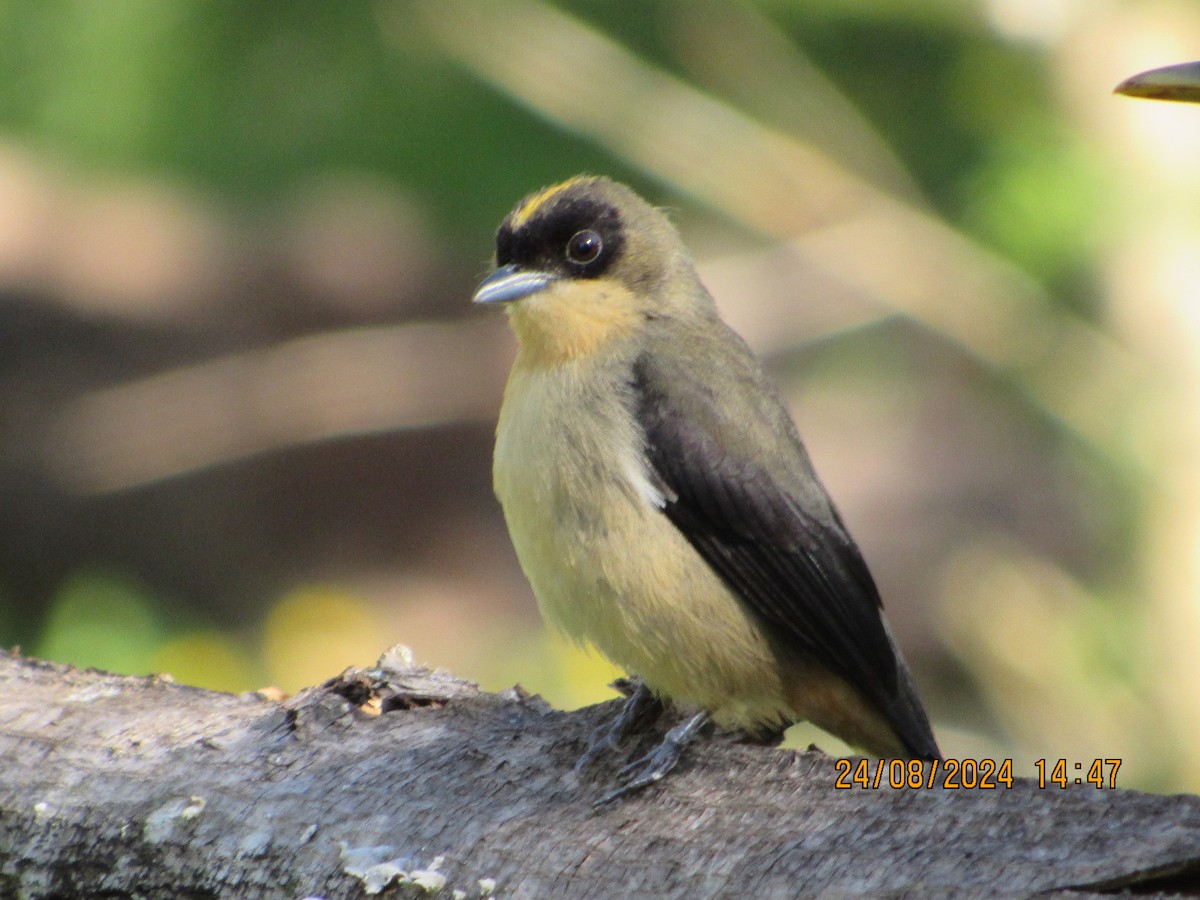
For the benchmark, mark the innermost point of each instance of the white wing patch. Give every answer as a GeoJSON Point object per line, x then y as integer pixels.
{"type": "Point", "coordinates": [634, 467]}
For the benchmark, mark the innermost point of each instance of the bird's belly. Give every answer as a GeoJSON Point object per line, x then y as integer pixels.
{"type": "Point", "coordinates": [609, 568]}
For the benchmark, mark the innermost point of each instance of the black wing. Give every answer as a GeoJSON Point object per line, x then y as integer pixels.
{"type": "Point", "coordinates": [785, 553]}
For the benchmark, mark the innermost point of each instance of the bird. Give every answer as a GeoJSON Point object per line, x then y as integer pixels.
{"type": "Point", "coordinates": [660, 501]}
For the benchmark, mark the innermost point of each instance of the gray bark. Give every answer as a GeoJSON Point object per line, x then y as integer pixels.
{"type": "Point", "coordinates": [137, 787]}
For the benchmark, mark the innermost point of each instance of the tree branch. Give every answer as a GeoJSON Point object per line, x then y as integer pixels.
{"type": "Point", "coordinates": [138, 787]}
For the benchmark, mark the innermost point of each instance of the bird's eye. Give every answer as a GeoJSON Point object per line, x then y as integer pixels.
{"type": "Point", "coordinates": [584, 247]}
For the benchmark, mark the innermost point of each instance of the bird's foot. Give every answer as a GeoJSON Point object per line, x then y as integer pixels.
{"type": "Point", "coordinates": [640, 708]}
{"type": "Point", "coordinates": [658, 762]}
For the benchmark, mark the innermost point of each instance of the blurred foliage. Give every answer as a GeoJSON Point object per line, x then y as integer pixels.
{"type": "Point", "coordinates": [1051, 605]}
{"type": "Point", "coordinates": [247, 99]}
{"type": "Point", "coordinates": [105, 621]}
{"type": "Point", "coordinates": [311, 626]}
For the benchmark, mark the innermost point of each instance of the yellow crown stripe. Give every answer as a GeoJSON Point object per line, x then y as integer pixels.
{"type": "Point", "coordinates": [526, 210]}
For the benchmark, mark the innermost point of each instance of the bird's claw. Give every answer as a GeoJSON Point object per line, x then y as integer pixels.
{"type": "Point", "coordinates": [603, 739]}
{"type": "Point", "coordinates": [655, 765]}
{"type": "Point", "coordinates": [609, 735]}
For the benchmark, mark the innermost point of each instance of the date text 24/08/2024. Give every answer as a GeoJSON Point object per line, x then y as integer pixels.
{"type": "Point", "coordinates": [969, 774]}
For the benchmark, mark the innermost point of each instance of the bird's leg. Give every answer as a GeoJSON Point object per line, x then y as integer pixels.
{"type": "Point", "coordinates": [640, 706]}
{"type": "Point", "coordinates": [658, 762]}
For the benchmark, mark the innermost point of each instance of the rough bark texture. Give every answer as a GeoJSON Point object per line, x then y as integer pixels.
{"type": "Point", "coordinates": [136, 787]}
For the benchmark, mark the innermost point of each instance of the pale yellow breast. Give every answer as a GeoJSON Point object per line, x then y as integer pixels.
{"type": "Point", "coordinates": [606, 565]}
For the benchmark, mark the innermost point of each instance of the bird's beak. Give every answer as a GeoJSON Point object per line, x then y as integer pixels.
{"type": "Point", "coordinates": [1181, 82]}
{"type": "Point", "coordinates": [509, 283]}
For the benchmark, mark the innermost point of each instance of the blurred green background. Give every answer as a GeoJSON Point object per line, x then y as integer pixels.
{"type": "Point", "coordinates": [246, 408]}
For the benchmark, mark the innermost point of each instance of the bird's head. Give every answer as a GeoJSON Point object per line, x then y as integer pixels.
{"type": "Point", "coordinates": [584, 262]}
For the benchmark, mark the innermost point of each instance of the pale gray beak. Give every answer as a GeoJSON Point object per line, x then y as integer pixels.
{"type": "Point", "coordinates": [509, 283]}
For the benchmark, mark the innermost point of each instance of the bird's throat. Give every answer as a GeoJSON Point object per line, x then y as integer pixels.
{"type": "Point", "coordinates": [570, 320]}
